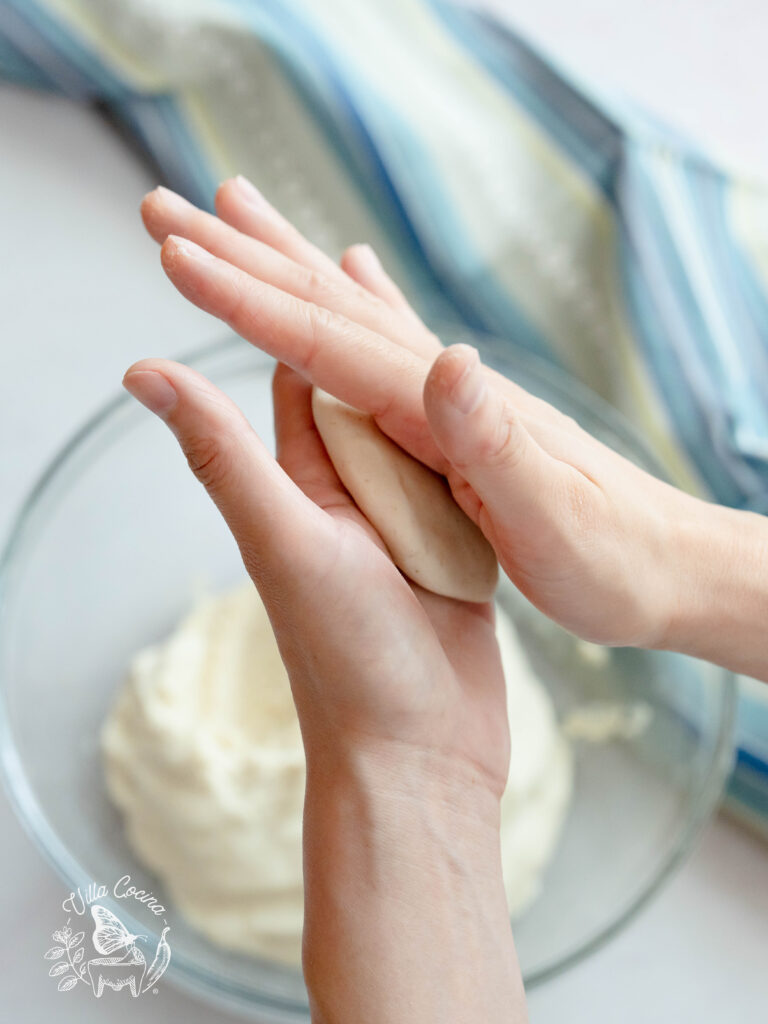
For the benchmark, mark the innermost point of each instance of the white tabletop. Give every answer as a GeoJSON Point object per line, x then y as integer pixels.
{"type": "Point", "coordinates": [82, 297]}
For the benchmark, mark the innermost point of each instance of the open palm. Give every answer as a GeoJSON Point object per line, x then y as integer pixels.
{"type": "Point", "coordinates": [370, 655]}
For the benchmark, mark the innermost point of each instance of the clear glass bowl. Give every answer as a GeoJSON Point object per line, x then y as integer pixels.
{"type": "Point", "coordinates": [109, 552]}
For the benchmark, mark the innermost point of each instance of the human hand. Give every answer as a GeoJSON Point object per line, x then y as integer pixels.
{"type": "Point", "coordinates": [409, 668]}
{"type": "Point", "coordinates": [401, 701]}
{"type": "Point", "coordinates": [588, 537]}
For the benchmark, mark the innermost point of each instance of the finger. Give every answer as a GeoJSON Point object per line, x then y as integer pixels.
{"type": "Point", "coordinates": [276, 527]}
{"type": "Point", "coordinates": [357, 365]}
{"type": "Point", "coordinates": [362, 264]}
{"type": "Point", "coordinates": [240, 204]}
{"type": "Point", "coordinates": [165, 213]}
{"type": "Point", "coordinates": [302, 454]}
{"type": "Point", "coordinates": [520, 491]}
{"type": "Point", "coordinates": [300, 451]}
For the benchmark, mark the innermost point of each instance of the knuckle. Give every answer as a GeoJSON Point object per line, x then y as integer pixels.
{"type": "Point", "coordinates": [503, 445]}
{"type": "Point", "coordinates": [568, 423]}
{"type": "Point", "coordinates": [571, 423]}
{"type": "Point", "coordinates": [321, 324]}
{"type": "Point", "coordinates": [317, 285]}
{"type": "Point", "coordinates": [235, 306]}
{"type": "Point", "coordinates": [335, 294]}
{"type": "Point", "coordinates": [581, 513]}
{"type": "Point", "coordinates": [209, 460]}
{"type": "Point", "coordinates": [322, 321]}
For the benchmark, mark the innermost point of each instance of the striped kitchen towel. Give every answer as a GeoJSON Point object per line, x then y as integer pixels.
{"type": "Point", "coordinates": [505, 194]}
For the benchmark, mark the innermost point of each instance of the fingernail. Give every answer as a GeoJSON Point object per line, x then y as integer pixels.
{"type": "Point", "coordinates": [152, 389]}
{"type": "Point", "coordinates": [183, 247]}
{"type": "Point", "coordinates": [367, 256]}
{"type": "Point", "coordinates": [250, 193]}
{"type": "Point", "coordinates": [170, 198]}
{"type": "Point", "coordinates": [470, 389]}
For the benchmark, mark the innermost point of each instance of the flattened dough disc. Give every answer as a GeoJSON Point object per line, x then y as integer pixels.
{"type": "Point", "coordinates": [428, 536]}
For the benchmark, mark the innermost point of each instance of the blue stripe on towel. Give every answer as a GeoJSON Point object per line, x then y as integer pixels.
{"type": "Point", "coordinates": [583, 132]}
{"type": "Point", "coordinates": [77, 69]}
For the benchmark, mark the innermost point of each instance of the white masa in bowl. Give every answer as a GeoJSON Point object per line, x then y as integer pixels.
{"type": "Point", "coordinates": [203, 756]}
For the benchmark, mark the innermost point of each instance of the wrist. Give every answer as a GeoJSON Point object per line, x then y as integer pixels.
{"type": "Point", "coordinates": [403, 882]}
{"type": "Point", "coordinates": [720, 606]}
{"type": "Point", "coordinates": [405, 824]}
{"type": "Point", "coordinates": [383, 774]}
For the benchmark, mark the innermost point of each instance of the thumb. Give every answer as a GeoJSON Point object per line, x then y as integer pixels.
{"type": "Point", "coordinates": [483, 438]}
{"type": "Point", "coordinates": [272, 521]}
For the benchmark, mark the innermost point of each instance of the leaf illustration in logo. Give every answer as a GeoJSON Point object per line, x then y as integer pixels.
{"type": "Point", "coordinates": [67, 983]}
{"type": "Point", "coordinates": [54, 953]}
{"type": "Point", "coordinates": [78, 956]}
{"type": "Point", "coordinates": [58, 969]}
{"type": "Point", "coordinates": [76, 940]}
{"type": "Point", "coordinates": [110, 934]}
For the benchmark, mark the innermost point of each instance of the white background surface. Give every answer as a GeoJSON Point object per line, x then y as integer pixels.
{"type": "Point", "coordinates": [82, 296]}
